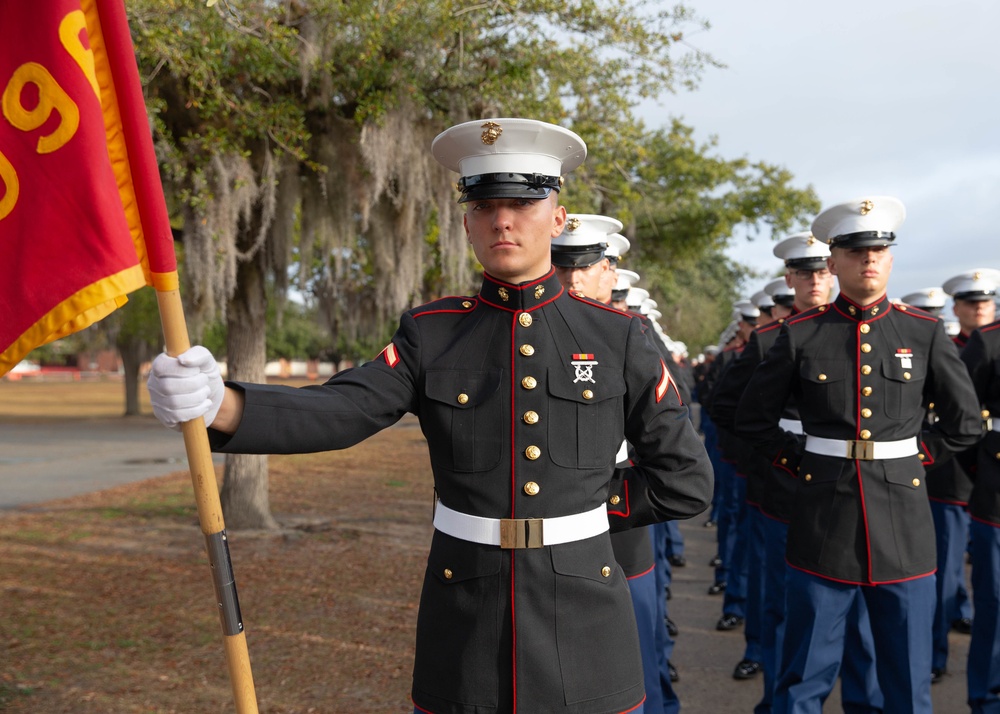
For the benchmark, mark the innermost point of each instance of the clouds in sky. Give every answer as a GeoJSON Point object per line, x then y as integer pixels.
{"type": "Point", "coordinates": [898, 97]}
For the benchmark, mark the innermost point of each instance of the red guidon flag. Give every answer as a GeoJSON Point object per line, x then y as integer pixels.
{"type": "Point", "coordinates": [82, 216]}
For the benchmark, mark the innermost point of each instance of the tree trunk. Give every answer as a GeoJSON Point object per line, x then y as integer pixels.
{"type": "Point", "coordinates": [131, 353]}
{"type": "Point", "coordinates": [245, 499]}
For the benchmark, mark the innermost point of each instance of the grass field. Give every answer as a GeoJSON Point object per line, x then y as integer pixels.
{"type": "Point", "coordinates": [107, 600]}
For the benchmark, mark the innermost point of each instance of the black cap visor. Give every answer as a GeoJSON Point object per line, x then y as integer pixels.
{"type": "Point", "coordinates": [864, 239]}
{"type": "Point", "coordinates": [577, 256]}
{"type": "Point", "coordinates": [818, 263]}
{"type": "Point", "coordinates": [976, 295]}
{"type": "Point", "coordinates": [506, 185]}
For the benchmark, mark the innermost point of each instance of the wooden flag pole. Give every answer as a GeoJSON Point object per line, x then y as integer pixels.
{"type": "Point", "coordinates": [206, 492]}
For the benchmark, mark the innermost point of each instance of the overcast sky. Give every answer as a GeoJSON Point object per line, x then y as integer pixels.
{"type": "Point", "coordinates": [897, 97]}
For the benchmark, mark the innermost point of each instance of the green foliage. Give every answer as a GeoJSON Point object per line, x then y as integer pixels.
{"type": "Point", "coordinates": [312, 80]}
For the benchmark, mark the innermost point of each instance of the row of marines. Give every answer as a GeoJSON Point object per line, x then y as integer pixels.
{"type": "Point", "coordinates": [553, 421]}
{"type": "Point", "coordinates": [843, 437]}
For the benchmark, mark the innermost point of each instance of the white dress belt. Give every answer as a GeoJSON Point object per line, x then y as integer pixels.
{"type": "Point", "coordinates": [994, 424]}
{"type": "Point", "coordinates": [521, 532]}
{"type": "Point", "coordinates": [863, 450]}
{"type": "Point", "coordinates": [792, 425]}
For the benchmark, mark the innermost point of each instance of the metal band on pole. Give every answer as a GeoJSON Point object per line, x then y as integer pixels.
{"type": "Point", "coordinates": [206, 493]}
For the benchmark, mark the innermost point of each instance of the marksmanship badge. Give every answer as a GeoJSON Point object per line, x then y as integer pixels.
{"type": "Point", "coordinates": [584, 364]}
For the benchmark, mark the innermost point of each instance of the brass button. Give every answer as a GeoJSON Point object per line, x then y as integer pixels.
{"type": "Point", "coordinates": [822, 308]}
{"type": "Point", "coordinates": [822, 378]}
{"type": "Point", "coordinates": [853, 310]}
{"type": "Point", "coordinates": [448, 575]}
{"type": "Point", "coordinates": [921, 457]}
{"type": "Point", "coordinates": [463, 398]}
{"type": "Point", "coordinates": [985, 413]}
{"type": "Point", "coordinates": [529, 382]}
{"type": "Point", "coordinates": [997, 455]}
{"type": "Point", "coordinates": [865, 347]}
{"type": "Point", "coordinates": [808, 477]}
{"type": "Point", "coordinates": [466, 303]}
{"type": "Point", "coordinates": [866, 369]}
{"type": "Point", "coordinates": [606, 571]}
{"type": "Point", "coordinates": [865, 328]}
{"type": "Point", "coordinates": [867, 391]}
{"type": "Point", "coordinates": [530, 417]}
{"type": "Point", "coordinates": [527, 350]}
{"type": "Point", "coordinates": [931, 406]}
{"type": "Point", "coordinates": [866, 412]}
{"type": "Point", "coordinates": [532, 452]}
{"type": "Point", "coordinates": [525, 319]}
{"type": "Point", "coordinates": [615, 500]}
{"type": "Point", "coordinates": [865, 434]}
{"type": "Point", "coordinates": [587, 394]}
{"type": "Point", "coordinates": [916, 482]}
{"type": "Point", "coordinates": [783, 461]}
{"type": "Point", "coordinates": [531, 488]}
{"type": "Point", "coordinates": [906, 375]}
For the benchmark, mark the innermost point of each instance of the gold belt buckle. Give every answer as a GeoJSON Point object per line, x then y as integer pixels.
{"type": "Point", "coordinates": [862, 450]}
{"type": "Point", "coordinates": [520, 533]}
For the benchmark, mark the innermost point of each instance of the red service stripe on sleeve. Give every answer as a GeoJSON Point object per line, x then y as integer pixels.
{"type": "Point", "coordinates": [664, 384]}
{"type": "Point", "coordinates": [391, 357]}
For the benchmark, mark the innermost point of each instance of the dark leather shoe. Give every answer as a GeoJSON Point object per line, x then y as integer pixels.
{"type": "Point", "coordinates": [715, 562]}
{"type": "Point", "coordinates": [746, 669]}
{"type": "Point", "coordinates": [729, 622]}
{"type": "Point", "coordinates": [936, 675]}
{"type": "Point", "coordinates": [962, 625]}
{"type": "Point", "coordinates": [671, 627]}
{"type": "Point", "coordinates": [674, 676]}
{"type": "Point", "coordinates": [677, 561]}
{"type": "Point", "coordinates": [716, 588]}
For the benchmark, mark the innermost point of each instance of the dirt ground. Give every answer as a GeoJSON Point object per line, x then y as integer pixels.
{"type": "Point", "coordinates": [107, 606]}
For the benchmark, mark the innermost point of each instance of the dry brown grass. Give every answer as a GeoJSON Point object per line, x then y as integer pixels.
{"type": "Point", "coordinates": [107, 601]}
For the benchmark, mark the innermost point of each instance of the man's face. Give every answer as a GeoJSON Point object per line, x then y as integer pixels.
{"type": "Point", "coordinates": [863, 273]}
{"type": "Point", "coordinates": [511, 236]}
{"type": "Point", "coordinates": [745, 330]}
{"type": "Point", "coordinates": [812, 287]}
{"type": "Point", "coordinates": [592, 281]}
{"type": "Point", "coordinates": [974, 313]}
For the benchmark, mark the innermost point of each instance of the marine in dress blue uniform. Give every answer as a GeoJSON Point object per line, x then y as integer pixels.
{"type": "Point", "coordinates": [582, 264]}
{"type": "Point", "coordinates": [948, 488]}
{"type": "Point", "coordinates": [807, 283]}
{"type": "Point", "coordinates": [861, 369]}
{"type": "Point", "coordinates": [734, 524]}
{"type": "Point", "coordinates": [524, 393]}
{"type": "Point", "coordinates": [982, 357]}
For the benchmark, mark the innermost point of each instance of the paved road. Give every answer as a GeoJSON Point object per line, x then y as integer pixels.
{"type": "Point", "coordinates": [60, 458]}
{"type": "Point", "coordinates": [43, 460]}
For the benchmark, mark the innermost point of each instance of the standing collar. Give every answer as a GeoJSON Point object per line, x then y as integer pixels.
{"type": "Point", "coordinates": [523, 297]}
{"type": "Point", "coordinates": [862, 313]}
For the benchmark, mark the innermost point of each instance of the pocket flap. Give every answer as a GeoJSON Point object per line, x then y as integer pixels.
{"type": "Point", "coordinates": [461, 389]}
{"type": "Point", "coordinates": [608, 384]}
{"type": "Point", "coordinates": [453, 560]}
{"type": "Point", "coordinates": [821, 371]}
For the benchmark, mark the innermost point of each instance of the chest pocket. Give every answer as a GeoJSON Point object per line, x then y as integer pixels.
{"type": "Point", "coordinates": [586, 419]}
{"type": "Point", "coordinates": [826, 384]}
{"type": "Point", "coordinates": [463, 419]}
{"type": "Point", "coordinates": [904, 386]}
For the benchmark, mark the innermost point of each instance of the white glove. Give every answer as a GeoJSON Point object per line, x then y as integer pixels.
{"type": "Point", "coordinates": [185, 387]}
